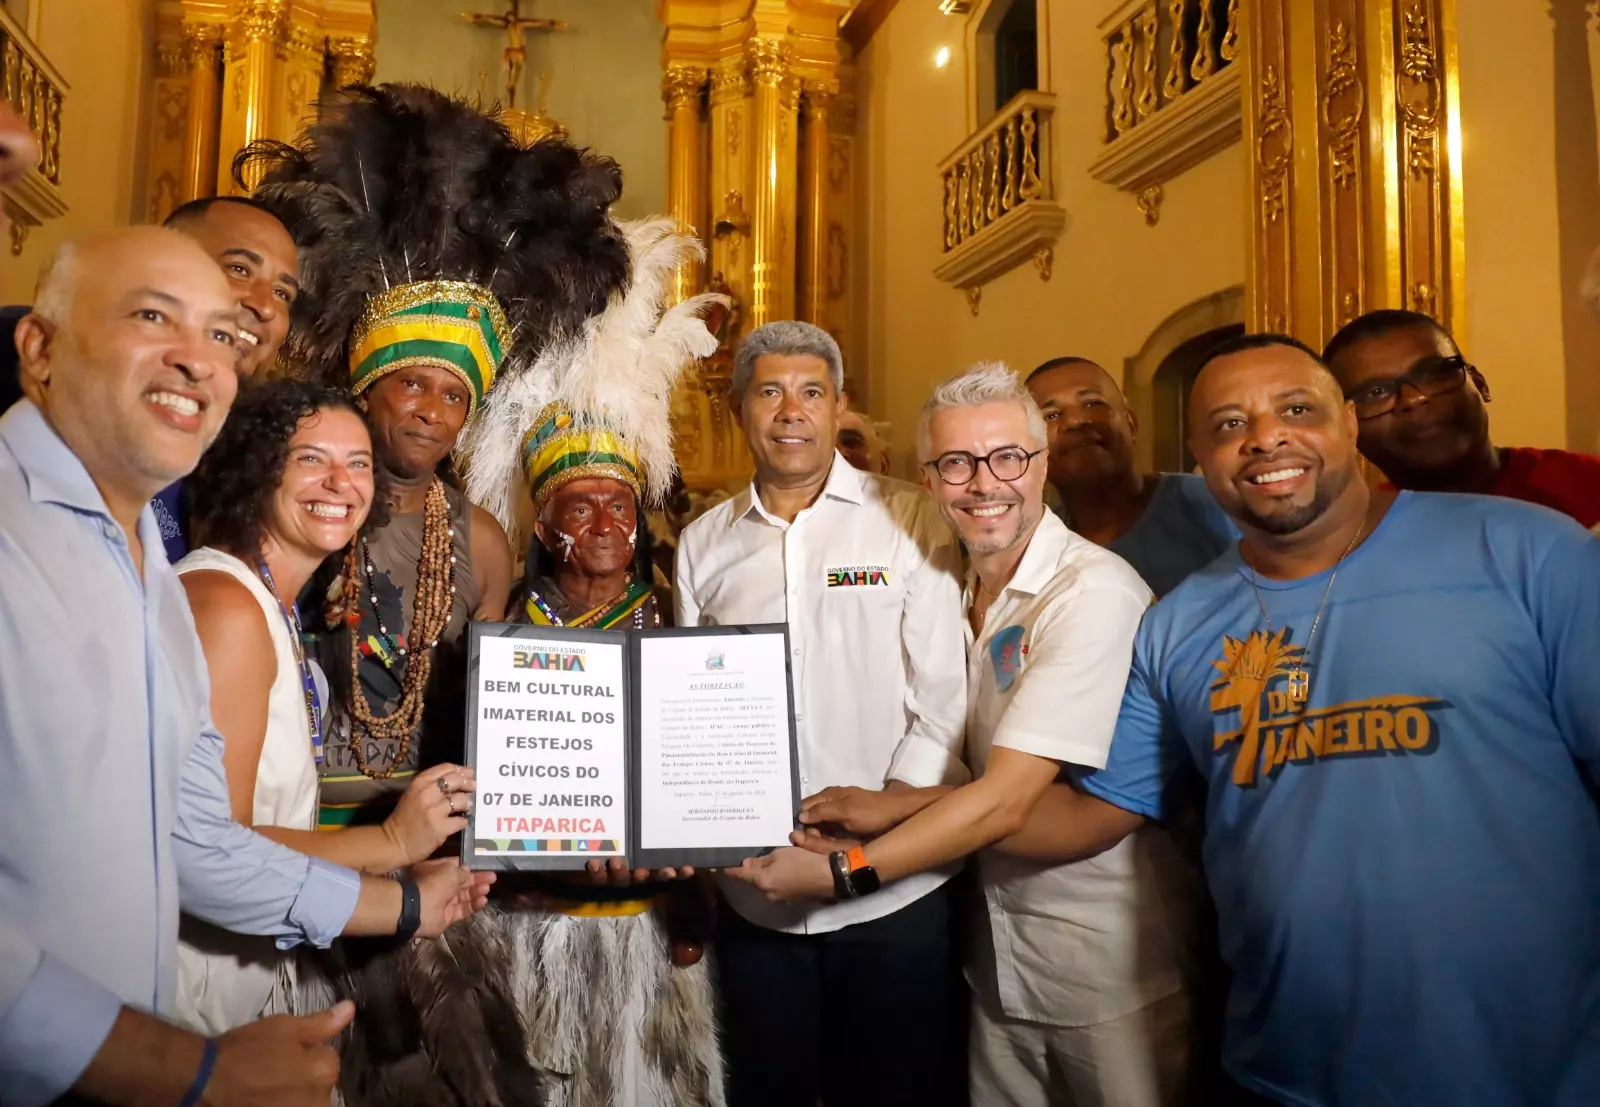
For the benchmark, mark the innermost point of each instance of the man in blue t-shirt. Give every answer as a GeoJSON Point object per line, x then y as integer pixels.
{"type": "Point", "coordinates": [1392, 701]}
{"type": "Point", "coordinates": [1166, 525]}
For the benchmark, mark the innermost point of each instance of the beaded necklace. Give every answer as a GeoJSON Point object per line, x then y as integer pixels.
{"type": "Point", "coordinates": [291, 617]}
{"type": "Point", "coordinates": [555, 620]}
{"type": "Point", "coordinates": [430, 615]}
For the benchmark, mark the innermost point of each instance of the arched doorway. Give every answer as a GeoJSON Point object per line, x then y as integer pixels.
{"type": "Point", "coordinates": [1156, 379]}
{"type": "Point", "coordinates": [1168, 432]}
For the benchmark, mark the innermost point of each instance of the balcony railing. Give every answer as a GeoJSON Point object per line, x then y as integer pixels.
{"type": "Point", "coordinates": [35, 90]}
{"type": "Point", "coordinates": [999, 197]}
{"type": "Point", "coordinates": [1172, 91]}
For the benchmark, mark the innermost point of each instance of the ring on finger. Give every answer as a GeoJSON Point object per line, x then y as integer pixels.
{"type": "Point", "coordinates": [444, 784]}
{"type": "Point", "coordinates": [451, 800]}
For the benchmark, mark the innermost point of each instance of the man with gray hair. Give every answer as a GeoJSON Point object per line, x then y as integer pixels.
{"type": "Point", "coordinates": [1078, 986]}
{"type": "Point", "coordinates": [851, 1002]}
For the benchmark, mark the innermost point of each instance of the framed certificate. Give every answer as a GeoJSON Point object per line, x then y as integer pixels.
{"type": "Point", "coordinates": [664, 747]}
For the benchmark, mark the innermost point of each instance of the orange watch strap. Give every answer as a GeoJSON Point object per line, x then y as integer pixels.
{"type": "Point", "coordinates": [857, 858]}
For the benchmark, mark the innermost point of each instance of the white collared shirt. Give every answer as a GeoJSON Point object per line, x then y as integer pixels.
{"type": "Point", "coordinates": [1091, 941]}
{"type": "Point", "coordinates": [867, 578]}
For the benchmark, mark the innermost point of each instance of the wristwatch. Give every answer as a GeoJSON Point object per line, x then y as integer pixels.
{"type": "Point", "coordinates": [410, 911]}
{"type": "Point", "coordinates": [853, 877]}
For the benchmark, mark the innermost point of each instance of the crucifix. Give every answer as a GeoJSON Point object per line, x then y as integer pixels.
{"type": "Point", "coordinates": [514, 23]}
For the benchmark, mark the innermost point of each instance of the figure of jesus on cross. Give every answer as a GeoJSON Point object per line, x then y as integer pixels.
{"type": "Point", "coordinates": [516, 53]}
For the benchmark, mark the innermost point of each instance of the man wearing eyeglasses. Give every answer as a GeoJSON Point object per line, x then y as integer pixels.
{"type": "Point", "coordinates": [1423, 423]}
{"type": "Point", "coordinates": [1077, 979]}
{"type": "Point", "coordinates": [853, 1003]}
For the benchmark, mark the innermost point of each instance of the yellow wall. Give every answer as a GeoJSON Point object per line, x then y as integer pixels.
{"type": "Point", "coordinates": [1530, 155]}
{"type": "Point", "coordinates": [1115, 279]}
{"type": "Point", "coordinates": [1530, 93]}
{"type": "Point", "coordinates": [605, 74]}
{"type": "Point", "coordinates": [105, 50]}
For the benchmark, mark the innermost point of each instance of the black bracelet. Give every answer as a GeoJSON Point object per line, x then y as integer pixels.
{"type": "Point", "coordinates": [839, 862]}
{"type": "Point", "coordinates": [208, 1061]}
{"type": "Point", "coordinates": [410, 911]}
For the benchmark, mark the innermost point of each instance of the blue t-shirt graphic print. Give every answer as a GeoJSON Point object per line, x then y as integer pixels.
{"type": "Point", "coordinates": [1407, 865]}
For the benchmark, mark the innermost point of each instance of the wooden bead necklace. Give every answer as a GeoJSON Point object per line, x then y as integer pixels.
{"type": "Point", "coordinates": [431, 608]}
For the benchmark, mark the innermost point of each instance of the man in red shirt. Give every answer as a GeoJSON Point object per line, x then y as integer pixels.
{"type": "Point", "coordinates": [1423, 423]}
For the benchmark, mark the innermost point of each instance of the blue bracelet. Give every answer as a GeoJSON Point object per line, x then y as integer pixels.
{"type": "Point", "coordinates": [208, 1061]}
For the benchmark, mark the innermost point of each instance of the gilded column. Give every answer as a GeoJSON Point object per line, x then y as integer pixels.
{"type": "Point", "coordinates": [201, 45]}
{"type": "Point", "coordinates": [773, 137]}
{"type": "Point", "coordinates": [167, 135]}
{"type": "Point", "coordinates": [1426, 95]}
{"type": "Point", "coordinates": [260, 28]}
{"type": "Point", "coordinates": [683, 89]}
{"type": "Point", "coordinates": [815, 106]}
{"type": "Point", "coordinates": [352, 62]}
{"type": "Point", "coordinates": [730, 175]}
{"type": "Point", "coordinates": [302, 61]}
{"type": "Point", "coordinates": [836, 258]}
{"type": "Point", "coordinates": [1355, 182]}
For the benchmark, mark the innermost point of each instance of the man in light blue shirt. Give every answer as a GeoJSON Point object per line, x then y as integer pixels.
{"type": "Point", "coordinates": [1166, 525]}
{"type": "Point", "coordinates": [1391, 701]}
{"type": "Point", "coordinates": [116, 803]}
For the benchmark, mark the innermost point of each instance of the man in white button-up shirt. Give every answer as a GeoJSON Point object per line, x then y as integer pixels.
{"type": "Point", "coordinates": [1078, 994]}
{"type": "Point", "coordinates": [849, 1002]}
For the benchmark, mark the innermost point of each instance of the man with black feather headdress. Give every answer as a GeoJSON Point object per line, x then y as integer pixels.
{"type": "Point", "coordinates": [439, 257]}
{"type": "Point", "coordinates": [436, 257]}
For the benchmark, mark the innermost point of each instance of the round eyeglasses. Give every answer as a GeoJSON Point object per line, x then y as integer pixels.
{"type": "Point", "coordinates": [1008, 463]}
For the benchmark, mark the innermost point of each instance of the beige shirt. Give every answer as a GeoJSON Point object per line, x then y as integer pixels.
{"type": "Point", "coordinates": [867, 579]}
{"type": "Point", "coordinates": [1084, 943]}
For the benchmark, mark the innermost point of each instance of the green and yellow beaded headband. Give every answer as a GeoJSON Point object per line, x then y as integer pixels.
{"type": "Point", "coordinates": [455, 325]}
{"type": "Point", "coordinates": [559, 450]}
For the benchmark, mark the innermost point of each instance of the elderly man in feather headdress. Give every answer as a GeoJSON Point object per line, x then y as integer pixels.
{"type": "Point", "coordinates": [585, 441]}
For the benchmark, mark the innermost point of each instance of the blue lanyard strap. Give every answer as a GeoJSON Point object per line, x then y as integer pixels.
{"type": "Point", "coordinates": [291, 618]}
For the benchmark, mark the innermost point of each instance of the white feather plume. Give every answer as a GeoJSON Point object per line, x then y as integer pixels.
{"type": "Point", "coordinates": [619, 370]}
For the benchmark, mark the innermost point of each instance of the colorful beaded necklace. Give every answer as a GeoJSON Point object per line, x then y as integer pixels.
{"type": "Point", "coordinates": [431, 608]}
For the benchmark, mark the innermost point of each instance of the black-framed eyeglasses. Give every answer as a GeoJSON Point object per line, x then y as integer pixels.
{"type": "Point", "coordinates": [1432, 376]}
{"type": "Point", "coordinates": [1008, 463]}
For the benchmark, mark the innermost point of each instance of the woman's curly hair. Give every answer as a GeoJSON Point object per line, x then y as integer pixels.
{"type": "Point", "coordinates": [229, 494]}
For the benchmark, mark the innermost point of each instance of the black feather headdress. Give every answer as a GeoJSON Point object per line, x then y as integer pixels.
{"type": "Point", "coordinates": [400, 185]}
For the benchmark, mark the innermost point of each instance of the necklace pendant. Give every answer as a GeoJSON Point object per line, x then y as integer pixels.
{"type": "Point", "coordinates": [1299, 685]}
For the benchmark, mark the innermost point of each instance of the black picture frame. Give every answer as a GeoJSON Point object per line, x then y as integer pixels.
{"type": "Point", "coordinates": [723, 856]}
{"type": "Point", "coordinates": [531, 861]}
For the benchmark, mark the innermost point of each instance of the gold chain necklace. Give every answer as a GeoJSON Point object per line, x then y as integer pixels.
{"type": "Point", "coordinates": [1299, 679]}
{"type": "Point", "coordinates": [985, 600]}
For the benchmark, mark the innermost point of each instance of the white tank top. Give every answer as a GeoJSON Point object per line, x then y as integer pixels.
{"type": "Point", "coordinates": [226, 980]}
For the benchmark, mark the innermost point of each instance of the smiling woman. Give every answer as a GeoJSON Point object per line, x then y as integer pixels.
{"type": "Point", "coordinates": [289, 481]}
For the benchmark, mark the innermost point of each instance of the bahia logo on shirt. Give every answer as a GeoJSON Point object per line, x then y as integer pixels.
{"type": "Point", "coordinates": [1275, 730]}
{"type": "Point", "coordinates": [563, 660]}
{"type": "Point", "coordinates": [857, 576]}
